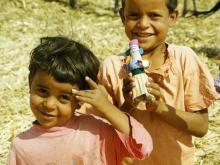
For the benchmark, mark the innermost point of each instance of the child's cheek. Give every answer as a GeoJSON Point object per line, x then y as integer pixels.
{"type": "Point", "coordinates": [35, 100]}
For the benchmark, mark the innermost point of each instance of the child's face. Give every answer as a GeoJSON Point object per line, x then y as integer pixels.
{"type": "Point", "coordinates": [51, 102]}
{"type": "Point", "coordinates": [147, 21]}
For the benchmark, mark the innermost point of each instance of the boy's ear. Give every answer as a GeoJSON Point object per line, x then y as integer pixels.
{"type": "Point", "coordinates": [29, 83]}
{"type": "Point", "coordinates": [173, 17]}
{"type": "Point", "coordinates": [121, 12]}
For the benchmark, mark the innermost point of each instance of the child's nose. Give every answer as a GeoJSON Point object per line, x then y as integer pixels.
{"type": "Point", "coordinates": [144, 22]}
{"type": "Point", "coordinates": [50, 103]}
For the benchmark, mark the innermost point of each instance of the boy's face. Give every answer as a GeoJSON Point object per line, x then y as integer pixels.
{"type": "Point", "coordinates": [147, 21]}
{"type": "Point", "coordinates": [51, 102]}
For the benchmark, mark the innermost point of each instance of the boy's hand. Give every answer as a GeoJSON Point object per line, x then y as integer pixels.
{"type": "Point", "coordinates": [97, 96]}
{"type": "Point", "coordinates": [157, 105]}
{"type": "Point", "coordinates": [128, 85]}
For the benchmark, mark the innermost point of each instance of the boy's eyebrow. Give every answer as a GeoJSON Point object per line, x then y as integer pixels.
{"type": "Point", "coordinates": [64, 92]}
{"type": "Point", "coordinates": [156, 11]}
{"type": "Point", "coordinates": [69, 93]}
{"type": "Point", "coordinates": [38, 85]}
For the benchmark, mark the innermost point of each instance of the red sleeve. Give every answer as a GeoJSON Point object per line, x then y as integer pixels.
{"type": "Point", "coordinates": [139, 144]}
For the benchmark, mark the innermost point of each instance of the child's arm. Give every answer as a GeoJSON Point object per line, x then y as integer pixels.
{"type": "Point", "coordinates": [97, 97]}
{"type": "Point", "coordinates": [136, 140]}
{"type": "Point", "coordinates": [196, 123]}
{"type": "Point", "coordinates": [14, 158]}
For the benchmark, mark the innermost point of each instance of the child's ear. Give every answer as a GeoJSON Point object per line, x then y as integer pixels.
{"type": "Point", "coordinates": [29, 83]}
{"type": "Point", "coordinates": [173, 17]}
{"type": "Point", "coordinates": [121, 12]}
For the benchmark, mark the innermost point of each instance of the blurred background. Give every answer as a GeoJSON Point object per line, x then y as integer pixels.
{"type": "Point", "coordinates": [96, 24]}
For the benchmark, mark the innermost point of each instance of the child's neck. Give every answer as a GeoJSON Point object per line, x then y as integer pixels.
{"type": "Point", "coordinates": [156, 56]}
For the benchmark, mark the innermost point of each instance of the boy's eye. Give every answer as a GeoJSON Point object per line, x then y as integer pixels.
{"type": "Point", "coordinates": [154, 15]}
{"type": "Point", "coordinates": [42, 91]}
{"type": "Point", "coordinates": [133, 16]}
{"type": "Point", "coordinates": [65, 98]}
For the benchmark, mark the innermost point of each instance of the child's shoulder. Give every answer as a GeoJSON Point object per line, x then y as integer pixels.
{"type": "Point", "coordinates": [188, 60]}
{"type": "Point", "coordinates": [114, 64]}
{"type": "Point", "coordinates": [90, 120]}
{"type": "Point", "coordinates": [117, 58]}
{"type": "Point", "coordinates": [184, 55]}
{"type": "Point", "coordinates": [20, 138]}
{"type": "Point", "coordinates": [181, 51]}
{"type": "Point", "coordinates": [94, 124]}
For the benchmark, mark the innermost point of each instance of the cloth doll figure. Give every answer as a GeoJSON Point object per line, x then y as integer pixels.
{"type": "Point", "coordinates": [136, 66]}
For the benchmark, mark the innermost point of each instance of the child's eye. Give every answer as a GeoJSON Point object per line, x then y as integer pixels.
{"type": "Point", "coordinates": [65, 98]}
{"type": "Point", "coordinates": [154, 15]}
{"type": "Point", "coordinates": [133, 16]}
{"type": "Point", "coordinates": [42, 91]}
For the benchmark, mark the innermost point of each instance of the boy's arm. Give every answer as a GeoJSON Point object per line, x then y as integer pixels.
{"type": "Point", "coordinates": [139, 143]}
{"type": "Point", "coordinates": [13, 157]}
{"type": "Point", "coordinates": [132, 134]}
{"type": "Point", "coordinates": [193, 121]}
{"type": "Point", "coordinates": [196, 123]}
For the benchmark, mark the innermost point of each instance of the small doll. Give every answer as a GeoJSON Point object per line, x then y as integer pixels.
{"type": "Point", "coordinates": [136, 66]}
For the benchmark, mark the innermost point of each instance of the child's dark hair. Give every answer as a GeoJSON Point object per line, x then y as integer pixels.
{"type": "Point", "coordinates": [66, 60]}
{"type": "Point", "coordinates": [171, 5]}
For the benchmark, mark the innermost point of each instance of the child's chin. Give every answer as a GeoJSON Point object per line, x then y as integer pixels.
{"type": "Point", "coordinates": [48, 125]}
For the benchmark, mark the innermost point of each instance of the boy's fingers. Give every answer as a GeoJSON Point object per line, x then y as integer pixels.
{"type": "Point", "coordinates": [128, 83]}
{"type": "Point", "coordinates": [85, 93]}
{"type": "Point", "coordinates": [103, 89]}
{"type": "Point", "coordinates": [152, 84]}
{"type": "Point", "coordinates": [84, 99]}
{"type": "Point", "coordinates": [91, 83]}
{"type": "Point", "coordinates": [155, 92]}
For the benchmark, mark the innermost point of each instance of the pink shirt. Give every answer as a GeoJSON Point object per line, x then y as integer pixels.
{"type": "Point", "coordinates": [85, 140]}
{"type": "Point", "coordinates": [186, 84]}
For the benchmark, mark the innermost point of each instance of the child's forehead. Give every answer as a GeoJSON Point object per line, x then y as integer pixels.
{"type": "Point", "coordinates": [42, 78]}
{"type": "Point", "coordinates": [145, 6]}
{"type": "Point", "coordinates": [148, 2]}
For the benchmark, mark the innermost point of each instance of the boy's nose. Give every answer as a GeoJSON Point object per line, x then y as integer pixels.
{"type": "Point", "coordinates": [50, 103]}
{"type": "Point", "coordinates": [144, 22]}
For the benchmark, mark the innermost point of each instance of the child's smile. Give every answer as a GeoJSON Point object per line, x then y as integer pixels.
{"type": "Point", "coordinates": [47, 115]}
{"type": "Point", "coordinates": [148, 21]}
{"type": "Point", "coordinates": [143, 36]}
{"type": "Point", "coordinates": [51, 101]}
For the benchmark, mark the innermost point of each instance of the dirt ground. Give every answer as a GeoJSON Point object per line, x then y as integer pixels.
{"type": "Point", "coordinates": [23, 22]}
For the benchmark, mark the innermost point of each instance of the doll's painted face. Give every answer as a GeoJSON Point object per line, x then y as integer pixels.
{"type": "Point", "coordinates": [147, 21]}
{"type": "Point", "coordinates": [52, 102]}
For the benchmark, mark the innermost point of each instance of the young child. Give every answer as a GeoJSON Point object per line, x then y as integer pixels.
{"type": "Point", "coordinates": [62, 74]}
{"type": "Point", "coordinates": [181, 84]}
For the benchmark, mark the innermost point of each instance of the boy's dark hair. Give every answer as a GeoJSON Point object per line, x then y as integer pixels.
{"type": "Point", "coordinates": [66, 60]}
{"type": "Point", "coordinates": [171, 5]}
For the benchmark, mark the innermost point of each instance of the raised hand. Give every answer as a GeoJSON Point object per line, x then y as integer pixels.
{"type": "Point", "coordinates": [97, 96]}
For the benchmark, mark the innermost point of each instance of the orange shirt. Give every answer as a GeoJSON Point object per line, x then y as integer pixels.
{"type": "Point", "coordinates": [186, 84]}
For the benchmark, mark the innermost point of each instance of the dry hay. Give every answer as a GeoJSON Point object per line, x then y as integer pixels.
{"type": "Point", "coordinates": [23, 22]}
